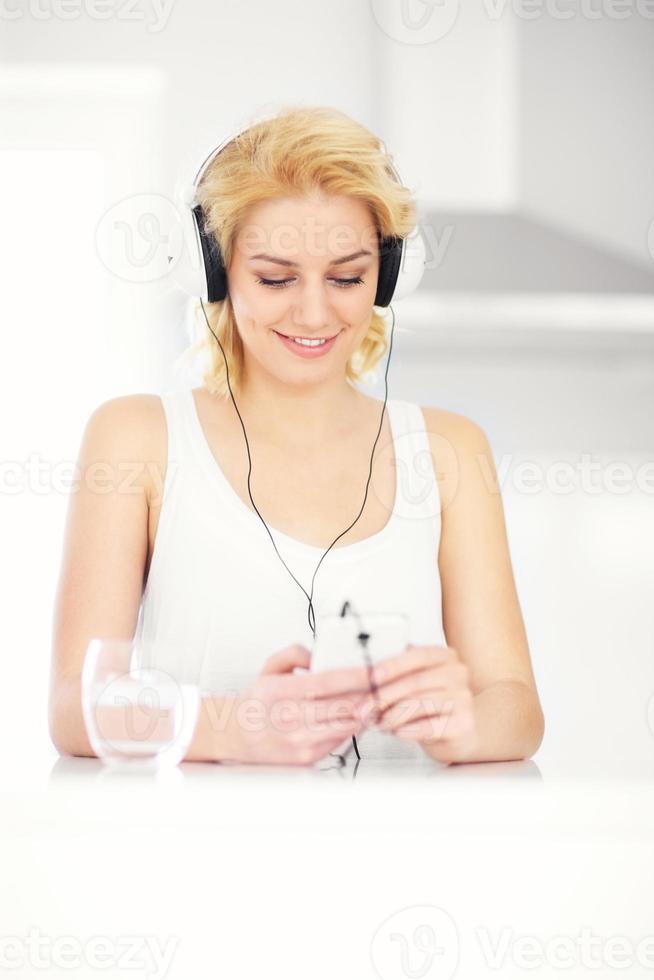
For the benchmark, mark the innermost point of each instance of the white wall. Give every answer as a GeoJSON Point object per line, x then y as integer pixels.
{"type": "Point", "coordinates": [447, 107]}
{"type": "Point", "coordinates": [221, 60]}
{"type": "Point", "coordinates": [586, 123]}
{"type": "Point", "coordinates": [547, 114]}
{"type": "Point", "coordinates": [455, 134]}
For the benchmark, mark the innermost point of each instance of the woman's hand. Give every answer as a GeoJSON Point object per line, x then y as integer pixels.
{"type": "Point", "coordinates": [424, 696]}
{"type": "Point", "coordinates": [288, 718]}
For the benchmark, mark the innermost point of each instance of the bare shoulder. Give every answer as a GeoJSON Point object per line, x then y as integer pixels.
{"type": "Point", "coordinates": [132, 428]}
{"type": "Point", "coordinates": [130, 421]}
{"type": "Point", "coordinates": [126, 406]}
{"type": "Point", "coordinates": [460, 450]}
{"type": "Point", "coordinates": [451, 434]}
{"type": "Point", "coordinates": [451, 424]}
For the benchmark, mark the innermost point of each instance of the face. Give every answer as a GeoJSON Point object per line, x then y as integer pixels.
{"type": "Point", "coordinates": [304, 267]}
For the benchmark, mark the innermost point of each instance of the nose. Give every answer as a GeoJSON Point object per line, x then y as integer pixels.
{"type": "Point", "coordinates": [311, 312]}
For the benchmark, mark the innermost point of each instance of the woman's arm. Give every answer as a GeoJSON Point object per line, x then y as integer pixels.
{"type": "Point", "coordinates": [509, 726]}
{"type": "Point", "coordinates": [104, 558]}
{"type": "Point", "coordinates": [104, 554]}
{"type": "Point", "coordinates": [481, 612]}
{"type": "Point", "coordinates": [213, 739]}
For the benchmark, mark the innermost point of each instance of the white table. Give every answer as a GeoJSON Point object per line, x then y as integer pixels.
{"type": "Point", "coordinates": [248, 871]}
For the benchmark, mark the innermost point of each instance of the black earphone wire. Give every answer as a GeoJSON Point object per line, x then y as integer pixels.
{"type": "Point", "coordinates": [310, 612]}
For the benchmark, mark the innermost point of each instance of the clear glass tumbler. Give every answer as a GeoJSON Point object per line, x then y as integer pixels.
{"type": "Point", "coordinates": [136, 717]}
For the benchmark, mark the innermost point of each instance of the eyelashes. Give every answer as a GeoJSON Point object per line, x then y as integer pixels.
{"type": "Point", "coordinates": [281, 283]}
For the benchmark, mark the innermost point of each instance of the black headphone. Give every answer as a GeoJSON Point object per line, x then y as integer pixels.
{"type": "Point", "coordinates": [196, 261]}
{"type": "Point", "coordinates": [390, 256]}
{"type": "Point", "coordinates": [197, 266]}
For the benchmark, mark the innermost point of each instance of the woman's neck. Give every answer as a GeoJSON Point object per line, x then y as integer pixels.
{"type": "Point", "coordinates": [302, 419]}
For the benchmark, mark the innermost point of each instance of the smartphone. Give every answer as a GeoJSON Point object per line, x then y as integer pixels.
{"type": "Point", "coordinates": [336, 644]}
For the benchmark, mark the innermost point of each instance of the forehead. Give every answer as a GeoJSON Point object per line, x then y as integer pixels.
{"type": "Point", "coordinates": [316, 226]}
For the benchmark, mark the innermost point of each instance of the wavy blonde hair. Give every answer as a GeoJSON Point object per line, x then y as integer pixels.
{"type": "Point", "coordinates": [299, 151]}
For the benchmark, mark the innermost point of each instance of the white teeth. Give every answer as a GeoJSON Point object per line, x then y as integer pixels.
{"type": "Point", "coordinates": [309, 343]}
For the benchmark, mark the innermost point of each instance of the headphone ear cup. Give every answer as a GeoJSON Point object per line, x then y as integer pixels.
{"type": "Point", "coordinates": [215, 274]}
{"type": "Point", "coordinates": [185, 254]}
{"type": "Point", "coordinates": [401, 267]}
{"type": "Point", "coordinates": [412, 264]}
{"type": "Point", "coordinates": [389, 264]}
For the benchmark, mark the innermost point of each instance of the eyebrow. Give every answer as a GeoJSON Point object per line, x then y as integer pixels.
{"type": "Point", "coordinates": [346, 258]}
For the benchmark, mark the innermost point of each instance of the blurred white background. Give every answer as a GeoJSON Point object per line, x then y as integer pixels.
{"type": "Point", "coordinates": [527, 134]}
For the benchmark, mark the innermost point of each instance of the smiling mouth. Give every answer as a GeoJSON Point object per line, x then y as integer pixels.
{"type": "Point", "coordinates": [293, 337]}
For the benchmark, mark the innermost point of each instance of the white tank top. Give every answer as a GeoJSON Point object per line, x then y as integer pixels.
{"type": "Point", "coordinates": [218, 600]}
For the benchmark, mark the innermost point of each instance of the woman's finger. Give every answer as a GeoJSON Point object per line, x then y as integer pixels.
{"type": "Point", "coordinates": [410, 685]}
{"type": "Point", "coordinates": [284, 661]}
{"type": "Point", "coordinates": [330, 683]}
{"type": "Point", "coordinates": [420, 704]}
{"type": "Point", "coordinates": [448, 727]}
{"type": "Point", "coordinates": [411, 659]}
{"type": "Point", "coordinates": [311, 746]}
{"type": "Point", "coordinates": [325, 711]}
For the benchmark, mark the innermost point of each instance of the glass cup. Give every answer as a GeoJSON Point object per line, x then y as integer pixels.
{"type": "Point", "coordinates": [136, 717]}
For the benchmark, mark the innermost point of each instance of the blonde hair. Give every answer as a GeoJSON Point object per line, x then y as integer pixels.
{"type": "Point", "coordinates": [298, 151]}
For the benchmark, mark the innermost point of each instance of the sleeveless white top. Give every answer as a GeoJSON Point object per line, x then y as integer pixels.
{"type": "Point", "coordinates": [218, 600]}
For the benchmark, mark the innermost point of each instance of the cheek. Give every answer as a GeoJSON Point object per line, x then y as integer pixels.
{"type": "Point", "coordinates": [264, 304]}
{"type": "Point", "coordinates": [256, 306]}
{"type": "Point", "coordinates": [254, 309]}
{"type": "Point", "coordinates": [354, 305]}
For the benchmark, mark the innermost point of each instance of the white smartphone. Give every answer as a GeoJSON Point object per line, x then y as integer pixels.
{"type": "Point", "coordinates": [336, 644]}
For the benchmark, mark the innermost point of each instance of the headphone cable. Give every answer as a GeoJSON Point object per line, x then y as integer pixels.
{"type": "Point", "coordinates": [310, 597]}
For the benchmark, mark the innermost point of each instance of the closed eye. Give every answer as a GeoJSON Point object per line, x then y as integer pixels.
{"type": "Point", "coordinates": [280, 283]}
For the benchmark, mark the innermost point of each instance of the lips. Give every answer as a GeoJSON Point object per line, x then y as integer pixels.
{"type": "Point", "coordinates": [310, 351]}
{"type": "Point", "coordinates": [290, 336]}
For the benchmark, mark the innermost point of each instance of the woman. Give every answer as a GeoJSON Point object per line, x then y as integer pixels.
{"type": "Point", "coordinates": [298, 205]}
